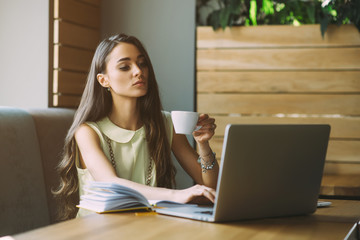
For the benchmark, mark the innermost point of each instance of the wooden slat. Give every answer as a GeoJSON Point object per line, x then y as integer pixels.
{"type": "Point", "coordinates": [279, 81]}
{"type": "Point", "coordinates": [277, 36]}
{"type": "Point", "coordinates": [69, 82]}
{"type": "Point", "coordinates": [96, 3]}
{"type": "Point", "coordinates": [279, 59]}
{"type": "Point", "coordinates": [77, 36]}
{"type": "Point", "coordinates": [340, 185]}
{"type": "Point", "coordinates": [341, 127]}
{"type": "Point", "coordinates": [73, 59]}
{"type": "Point", "coordinates": [79, 13]}
{"type": "Point", "coordinates": [279, 103]}
{"type": "Point", "coordinates": [342, 168]}
{"type": "Point", "coordinates": [344, 152]}
{"type": "Point", "coordinates": [66, 101]}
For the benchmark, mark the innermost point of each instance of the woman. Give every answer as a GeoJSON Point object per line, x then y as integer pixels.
{"type": "Point", "coordinates": [120, 133]}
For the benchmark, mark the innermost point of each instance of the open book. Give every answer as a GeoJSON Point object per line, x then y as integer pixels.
{"type": "Point", "coordinates": [102, 197]}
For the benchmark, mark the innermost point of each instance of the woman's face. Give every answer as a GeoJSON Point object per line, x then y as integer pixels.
{"type": "Point", "coordinates": [126, 72]}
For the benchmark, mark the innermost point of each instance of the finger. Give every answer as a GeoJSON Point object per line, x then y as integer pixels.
{"type": "Point", "coordinates": [206, 128]}
{"type": "Point", "coordinates": [206, 121]}
{"type": "Point", "coordinates": [207, 192]}
{"type": "Point", "coordinates": [201, 188]}
{"type": "Point", "coordinates": [209, 126]}
{"type": "Point", "coordinates": [212, 191]}
{"type": "Point", "coordinates": [209, 195]}
{"type": "Point", "coordinates": [203, 116]}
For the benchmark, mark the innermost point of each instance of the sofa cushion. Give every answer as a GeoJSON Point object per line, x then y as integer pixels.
{"type": "Point", "coordinates": [23, 202]}
{"type": "Point", "coordinates": [52, 125]}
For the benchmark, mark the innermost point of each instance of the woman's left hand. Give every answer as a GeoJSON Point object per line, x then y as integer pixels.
{"type": "Point", "coordinates": [207, 130]}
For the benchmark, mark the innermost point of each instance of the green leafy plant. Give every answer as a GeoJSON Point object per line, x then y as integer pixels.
{"type": "Point", "coordinates": [224, 13]}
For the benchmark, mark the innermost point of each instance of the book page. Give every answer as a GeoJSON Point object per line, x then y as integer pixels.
{"type": "Point", "coordinates": [104, 196]}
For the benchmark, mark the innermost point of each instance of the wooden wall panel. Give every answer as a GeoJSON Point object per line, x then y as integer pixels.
{"type": "Point", "coordinates": [347, 104]}
{"type": "Point", "coordinates": [76, 26]}
{"type": "Point", "coordinates": [66, 101]}
{"type": "Point", "coordinates": [346, 169]}
{"type": "Point", "coordinates": [76, 36]}
{"type": "Point", "coordinates": [279, 59]}
{"type": "Point", "coordinates": [344, 151]}
{"type": "Point", "coordinates": [277, 36]}
{"type": "Point", "coordinates": [92, 2]}
{"type": "Point", "coordinates": [341, 127]}
{"type": "Point", "coordinates": [78, 12]}
{"type": "Point", "coordinates": [74, 59]}
{"type": "Point", "coordinates": [339, 151]}
{"type": "Point", "coordinates": [341, 185]}
{"type": "Point", "coordinates": [284, 75]}
{"type": "Point", "coordinates": [286, 81]}
{"type": "Point", "coordinates": [69, 82]}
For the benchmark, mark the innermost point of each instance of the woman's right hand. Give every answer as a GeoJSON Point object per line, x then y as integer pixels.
{"type": "Point", "coordinates": [196, 194]}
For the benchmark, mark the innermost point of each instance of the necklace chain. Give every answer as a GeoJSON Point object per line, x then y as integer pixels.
{"type": "Point", "coordinates": [112, 158]}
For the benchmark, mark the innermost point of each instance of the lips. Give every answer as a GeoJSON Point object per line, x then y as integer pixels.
{"type": "Point", "coordinates": [140, 82]}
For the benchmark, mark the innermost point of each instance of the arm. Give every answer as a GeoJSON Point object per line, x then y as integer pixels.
{"type": "Point", "coordinates": [93, 158]}
{"type": "Point", "coordinates": [188, 157]}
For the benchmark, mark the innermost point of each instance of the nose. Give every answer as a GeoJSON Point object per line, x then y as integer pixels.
{"type": "Point", "coordinates": [137, 71]}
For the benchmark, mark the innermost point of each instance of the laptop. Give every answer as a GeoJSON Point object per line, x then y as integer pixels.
{"type": "Point", "coordinates": [265, 171]}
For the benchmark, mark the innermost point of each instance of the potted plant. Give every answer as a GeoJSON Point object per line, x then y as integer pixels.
{"type": "Point", "coordinates": [223, 13]}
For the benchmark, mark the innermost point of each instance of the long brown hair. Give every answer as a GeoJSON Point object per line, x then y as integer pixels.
{"type": "Point", "coordinates": [95, 104]}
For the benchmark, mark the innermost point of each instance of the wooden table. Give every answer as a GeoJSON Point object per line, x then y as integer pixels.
{"type": "Point", "coordinates": [327, 223]}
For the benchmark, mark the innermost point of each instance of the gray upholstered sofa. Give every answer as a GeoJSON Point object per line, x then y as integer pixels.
{"type": "Point", "coordinates": [31, 143]}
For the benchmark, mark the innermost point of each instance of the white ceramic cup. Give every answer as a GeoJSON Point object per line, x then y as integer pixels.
{"type": "Point", "coordinates": [184, 121]}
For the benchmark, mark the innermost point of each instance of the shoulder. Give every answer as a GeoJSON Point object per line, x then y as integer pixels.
{"type": "Point", "coordinates": [84, 130]}
{"type": "Point", "coordinates": [86, 137]}
{"type": "Point", "coordinates": [88, 131]}
{"type": "Point", "coordinates": [90, 128]}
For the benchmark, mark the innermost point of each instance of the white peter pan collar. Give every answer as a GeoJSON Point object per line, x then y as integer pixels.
{"type": "Point", "coordinates": [117, 133]}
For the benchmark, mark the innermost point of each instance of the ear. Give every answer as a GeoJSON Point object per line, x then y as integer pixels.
{"type": "Point", "coordinates": [102, 79]}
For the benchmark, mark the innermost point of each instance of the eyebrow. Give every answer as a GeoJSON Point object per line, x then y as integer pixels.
{"type": "Point", "coordinates": [128, 59]}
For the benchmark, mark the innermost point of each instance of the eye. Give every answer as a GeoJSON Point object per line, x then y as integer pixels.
{"type": "Point", "coordinates": [124, 68]}
{"type": "Point", "coordinates": [142, 64]}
